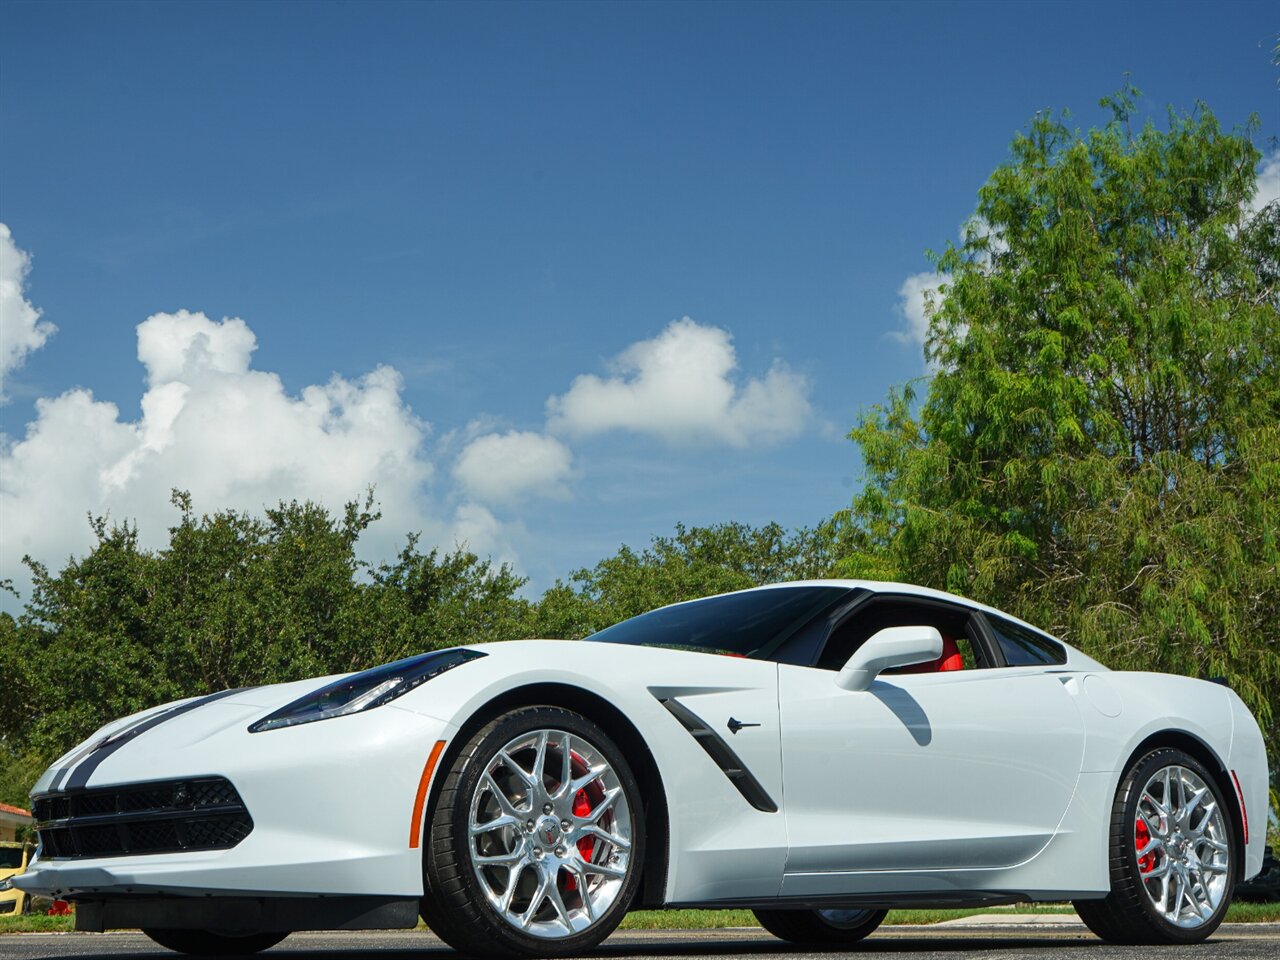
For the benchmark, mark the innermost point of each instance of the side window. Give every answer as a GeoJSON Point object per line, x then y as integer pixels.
{"type": "Point", "coordinates": [1023, 647]}
{"type": "Point", "coordinates": [881, 612]}
{"type": "Point", "coordinates": [957, 654]}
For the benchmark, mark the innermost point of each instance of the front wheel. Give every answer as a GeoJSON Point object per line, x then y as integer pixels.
{"type": "Point", "coordinates": [206, 943]}
{"type": "Point", "coordinates": [828, 927]}
{"type": "Point", "coordinates": [537, 841]}
{"type": "Point", "coordinates": [1172, 855]}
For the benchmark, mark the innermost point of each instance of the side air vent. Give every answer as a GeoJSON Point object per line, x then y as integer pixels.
{"type": "Point", "coordinates": [723, 756]}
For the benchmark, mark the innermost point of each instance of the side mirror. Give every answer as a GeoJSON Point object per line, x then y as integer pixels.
{"type": "Point", "coordinates": [890, 647]}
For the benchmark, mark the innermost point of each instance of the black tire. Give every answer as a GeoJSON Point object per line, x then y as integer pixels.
{"type": "Point", "coordinates": [1127, 915]}
{"type": "Point", "coordinates": [820, 927]}
{"type": "Point", "coordinates": [205, 943]}
{"type": "Point", "coordinates": [455, 905]}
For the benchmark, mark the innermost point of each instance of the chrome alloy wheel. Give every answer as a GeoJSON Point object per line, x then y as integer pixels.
{"type": "Point", "coordinates": [1182, 846]}
{"type": "Point", "coordinates": [550, 833]}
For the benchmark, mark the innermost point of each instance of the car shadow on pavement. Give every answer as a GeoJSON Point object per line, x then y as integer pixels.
{"type": "Point", "coordinates": [727, 948]}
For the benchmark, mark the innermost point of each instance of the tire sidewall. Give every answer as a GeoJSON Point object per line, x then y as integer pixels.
{"type": "Point", "coordinates": [212, 943]}
{"type": "Point", "coordinates": [471, 765]}
{"type": "Point", "coordinates": [1135, 782]}
{"type": "Point", "coordinates": [850, 933]}
{"type": "Point", "coordinates": [809, 927]}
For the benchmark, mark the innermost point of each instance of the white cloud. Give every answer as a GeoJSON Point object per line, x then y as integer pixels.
{"type": "Point", "coordinates": [503, 468]}
{"type": "Point", "coordinates": [235, 438]}
{"type": "Point", "coordinates": [679, 387]}
{"type": "Point", "coordinates": [183, 346]}
{"type": "Point", "coordinates": [232, 436]}
{"type": "Point", "coordinates": [1268, 182]}
{"type": "Point", "coordinates": [913, 306]}
{"type": "Point", "coordinates": [21, 329]}
{"type": "Point", "coordinates": [476, 529]}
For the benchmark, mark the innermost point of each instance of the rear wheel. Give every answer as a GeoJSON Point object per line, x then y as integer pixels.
{"type": "Point", "coordinates": [537, 841]}
{"type": "Point", "coordinates": [1172, 855]}
{"type": "Point", "coordinates": [820, 926]}
{"type": "Point", "coordinates": [205, 943]}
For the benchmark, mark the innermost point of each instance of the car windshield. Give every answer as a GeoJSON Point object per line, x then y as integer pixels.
{"type": "Point", "coordinates": [10, 857]}
{"type": "Point", "coordinates": [752, 624]}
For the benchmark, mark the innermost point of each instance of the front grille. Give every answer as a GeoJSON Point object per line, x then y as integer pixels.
{"type": "Point", "coordinates": [204, 813]}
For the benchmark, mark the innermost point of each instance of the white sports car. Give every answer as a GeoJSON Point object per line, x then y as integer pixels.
{"type": "Point", "coordinates": [818, 752]}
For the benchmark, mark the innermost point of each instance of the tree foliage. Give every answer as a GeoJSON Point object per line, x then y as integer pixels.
{"type": "Point", "coordinates": [1098, 449]}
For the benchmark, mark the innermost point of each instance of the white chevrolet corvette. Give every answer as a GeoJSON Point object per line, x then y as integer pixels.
{"type": "Point", "coordinates": [818, 752]}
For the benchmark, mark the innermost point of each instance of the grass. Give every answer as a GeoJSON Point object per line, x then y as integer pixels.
{"type": "Point", "coordinates": [1253, 913]}
{"type": "Point", "coordinates": [36, 923]}
{"type": "Point", "coordinates": [719, 919]}
{"type": "Point", "coordinates": [687, 919]}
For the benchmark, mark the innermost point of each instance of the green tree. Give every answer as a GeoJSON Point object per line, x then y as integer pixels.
{"type": "Point", "coordinates": [1098, 448]}
{"type": "Point", "coordinates": [424, 601]}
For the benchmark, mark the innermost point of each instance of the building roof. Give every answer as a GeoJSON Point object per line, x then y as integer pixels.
{"type": "Point", "coordinates": [9, 812]}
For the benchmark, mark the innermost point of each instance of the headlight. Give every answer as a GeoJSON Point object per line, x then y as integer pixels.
{"type": "Point", "coordinates": [364, 691]}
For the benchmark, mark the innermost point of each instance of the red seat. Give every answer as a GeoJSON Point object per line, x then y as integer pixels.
{"type": "Point", "coordinates": [951, 659]}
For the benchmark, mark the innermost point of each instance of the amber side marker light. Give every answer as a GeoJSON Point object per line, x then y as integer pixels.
{"type": "Point", "coordinates": [1244, 814]}
{"type": "Point", "coordinates": [415, 827]}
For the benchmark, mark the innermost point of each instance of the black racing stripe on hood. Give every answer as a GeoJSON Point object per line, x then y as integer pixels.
{"type": "Point", "coordinates": [76, 757]}
{"type": "Point", "coordinates": [80, 776]}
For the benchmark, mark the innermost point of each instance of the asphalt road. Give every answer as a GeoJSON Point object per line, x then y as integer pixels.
{"type": "Point", "coordinates": [1244, 941]}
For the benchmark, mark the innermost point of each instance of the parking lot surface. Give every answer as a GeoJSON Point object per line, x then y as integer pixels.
{"type": "Point", "coordinates": [1244, 941]}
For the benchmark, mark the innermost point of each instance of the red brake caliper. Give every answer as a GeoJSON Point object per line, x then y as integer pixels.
{"type": "Point", "coordinates": [584, 802]}
{"type": "Point", "coordinates": [1141, 837]}
{"type": "Point", "coordinates": [581, 807]}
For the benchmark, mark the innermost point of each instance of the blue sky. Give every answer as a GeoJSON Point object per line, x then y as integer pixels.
{"type": "Point", "coordinates": [495, 200]}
